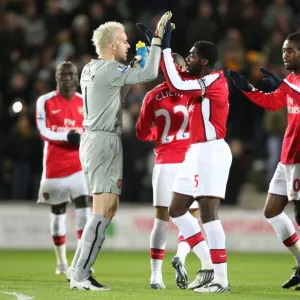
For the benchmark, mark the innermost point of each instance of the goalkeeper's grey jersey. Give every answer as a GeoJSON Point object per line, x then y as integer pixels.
{"type": "Point", "coordinates": [104, 84]}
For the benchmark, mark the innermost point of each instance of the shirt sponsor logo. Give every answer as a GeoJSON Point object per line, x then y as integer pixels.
{"type": "Point", "coordinates": [295, 110]}
{"type": "Point", "coordinates": [122, 68]}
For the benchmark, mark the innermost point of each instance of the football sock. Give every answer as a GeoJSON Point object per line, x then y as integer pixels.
{"type": "Point", "coordinates": [157, 247]}
{"type": "Point", "coordinates": [58, 232]}
{"type": "Point", "coordinates": [82, 215]}
{"type": "Point", "coordinates": [285, 230]}
{"type": "Point", "coordinates": [216, 243]}
{"type": "Point", "coordinates": [91, 241]}
{"type": "Point", "coordinates": [183, 248]}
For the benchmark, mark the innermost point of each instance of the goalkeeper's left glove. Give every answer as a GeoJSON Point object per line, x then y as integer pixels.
{"type": "Point", "coordinates": [160, 29]}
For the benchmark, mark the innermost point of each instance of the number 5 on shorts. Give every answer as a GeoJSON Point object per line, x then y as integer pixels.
{"type": "Point", "coordinates": [196, 180]}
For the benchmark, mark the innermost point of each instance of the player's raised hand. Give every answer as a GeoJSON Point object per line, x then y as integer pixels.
{"type": "Point", "coordinates": [160, 28]}
{"type": "Point", "coordinates": [271, 79]}
{"type": "Point", "coordinates": [146, 31]}
{"type": "Point", "coordinates": [240, 81]}
{"type": "Point", "coordinates": [166, 42]}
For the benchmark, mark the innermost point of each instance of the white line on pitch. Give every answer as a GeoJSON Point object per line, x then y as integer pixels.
{"type": "Point", "coordinates": [18, 295]}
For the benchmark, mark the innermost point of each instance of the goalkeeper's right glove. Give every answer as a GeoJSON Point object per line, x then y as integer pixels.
{"type": "Point", "coordinates": [160, 29]}
{"type": "Point", "coordinates": [73, 137]}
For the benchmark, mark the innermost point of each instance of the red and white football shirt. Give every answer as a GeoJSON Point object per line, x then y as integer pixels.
{"type": "Point", "coordinates": [208, 106]}
{"type": "Point", "coordinates": [288, 94]}
{"type": "Point", "coordinates": [169, 113]}
{"type": "Point", "coordinates": [55, 117]}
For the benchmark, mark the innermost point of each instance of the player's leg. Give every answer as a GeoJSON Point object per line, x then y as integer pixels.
{"type": "Point", "coordinates": [82, 214]}
{"type": "Point", "coordinates": [162, 180]}
{"type": "Point", "coordinates": [158, 245]}
{"type": "Point", "coordinates": [274, 212]}
{"type": "Point", "coordinates": [102, 160]}
{"type": "Point", "coordinates": [58, 232]}
{"type": "Point", "coordinates": [184, 248]}
{"type": "Point", "coordinates": [211, 175]}
{"type": "Point", "coordinates": [188, 226]}
{"type": "Point", "coordinates": [206, 273]}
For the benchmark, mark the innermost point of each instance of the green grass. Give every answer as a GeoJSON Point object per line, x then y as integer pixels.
{"type": "Point", "coordinates": [252, 276]}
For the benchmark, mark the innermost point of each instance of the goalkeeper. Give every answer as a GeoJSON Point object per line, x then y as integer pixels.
{"type": "Point", "coordinates": [104, 83]}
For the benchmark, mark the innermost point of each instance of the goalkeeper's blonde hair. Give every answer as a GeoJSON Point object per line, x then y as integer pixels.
{"type": "Point", "coordinates": [106, 33]}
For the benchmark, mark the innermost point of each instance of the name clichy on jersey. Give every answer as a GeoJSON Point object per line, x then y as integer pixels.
{"type": "Point", "coordinates": [166, 94]}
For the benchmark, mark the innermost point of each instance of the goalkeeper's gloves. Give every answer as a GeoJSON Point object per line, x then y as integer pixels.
{"type": "Point", "coordinates": [271, 79]}
{"type": "Point", "coordinates": [73, 137]}
{"type": "Point", "coordinates": [240, 81]}
{"type": "Point", "coordinates": [160, 29]}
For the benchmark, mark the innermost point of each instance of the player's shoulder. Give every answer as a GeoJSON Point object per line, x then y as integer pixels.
{"type": "Point", "coordinates": [78, 96]}
{"type": "Point", "coordinates": [48, 96]}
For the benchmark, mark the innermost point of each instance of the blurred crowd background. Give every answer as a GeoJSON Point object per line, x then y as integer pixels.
{"type": "Point", "coordinates": [36, 35]}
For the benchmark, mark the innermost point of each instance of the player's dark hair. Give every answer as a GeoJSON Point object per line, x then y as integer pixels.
{"type": "Point", "coordinates": [178, 59]}
{"type": "Point", "coordinates": [207, 50]}
{"type": "Point", "coordinates": [294, 37]}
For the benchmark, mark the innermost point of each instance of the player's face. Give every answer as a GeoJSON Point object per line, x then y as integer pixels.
{"type": "Point", "coordinates": [193, 62]}
{"type": "Point", "coordinates": [291, 55]}
{"type": "Point", "coordinates": [122, 47]}
{"type": "Point", "coordinates": [67, 78]}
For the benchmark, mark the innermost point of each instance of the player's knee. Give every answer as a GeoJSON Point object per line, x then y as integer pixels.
{"type": "Point", "coordinates": [82, 202]}
{"type": "Point", "coordinates": [59, 209]}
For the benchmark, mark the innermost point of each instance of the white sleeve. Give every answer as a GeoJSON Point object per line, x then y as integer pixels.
{"type": "Point", "coordinates": [41, 118]}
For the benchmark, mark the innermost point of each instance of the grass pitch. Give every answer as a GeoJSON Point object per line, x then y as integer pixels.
{"type": "Point", "coordinates": [252, 276]}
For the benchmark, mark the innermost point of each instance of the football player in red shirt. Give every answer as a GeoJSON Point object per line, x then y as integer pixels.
{"type": "Point", "coordinates": [207, 163]}
{"type": "Point", "coordinates": [168, 111]}
{"type": "Point", "coordinates": [59, 117]}
{"type": "Point", "coordinates": [285, 184]}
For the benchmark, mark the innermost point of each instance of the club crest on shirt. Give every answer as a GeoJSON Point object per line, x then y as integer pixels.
{"type": "Point", "coordinates": [80, 110]}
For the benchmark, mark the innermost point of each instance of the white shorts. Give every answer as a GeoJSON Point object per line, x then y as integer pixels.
{"type": "Point", "coordinates": [162, 181]}
{"type": "Point", "coordinates": [55, 191]}
{"type": "Point", "coordinates": [205, 170]}
{"type": "Point", "coordinates": [286, 181]}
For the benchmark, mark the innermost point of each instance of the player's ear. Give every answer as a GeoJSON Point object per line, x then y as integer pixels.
{"type": "Point", "coordinates": [204, 62]}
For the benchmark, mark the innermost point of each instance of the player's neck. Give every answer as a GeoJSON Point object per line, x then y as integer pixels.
{"type": "Point", "coordinates": [205, 72]}
{"type": "Point", "coordinates": [107, 56]}
{"type": "Point", "coordinates": [68, 95]}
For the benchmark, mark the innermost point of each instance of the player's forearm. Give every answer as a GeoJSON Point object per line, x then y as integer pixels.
{"type": "Point", "coordinates": [149, 72]}
{"type": "Point", "coordinates": [146, 134]}
{"type": "Point", "coordinates": [270, 101]}
{"type": "Point", "coordinates": [175, 83]}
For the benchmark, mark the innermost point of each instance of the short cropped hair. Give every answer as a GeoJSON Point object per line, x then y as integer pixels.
{"type": "Point", "coordinates": [105, 34]}
{"type": "Point", "coordinates": [63, 64]}
{"type": "Point", "coordinates": [294, 37]}
{"type": "Point", "coordinates": [207, 50]}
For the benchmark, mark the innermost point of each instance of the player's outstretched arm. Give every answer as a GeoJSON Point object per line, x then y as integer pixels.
{"type": "Point", "coordinates": [119, 75]}
{"type": "Point", "coordinates": [192, 87]}
{"type": "Point", "coordinates": [271, 101]}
